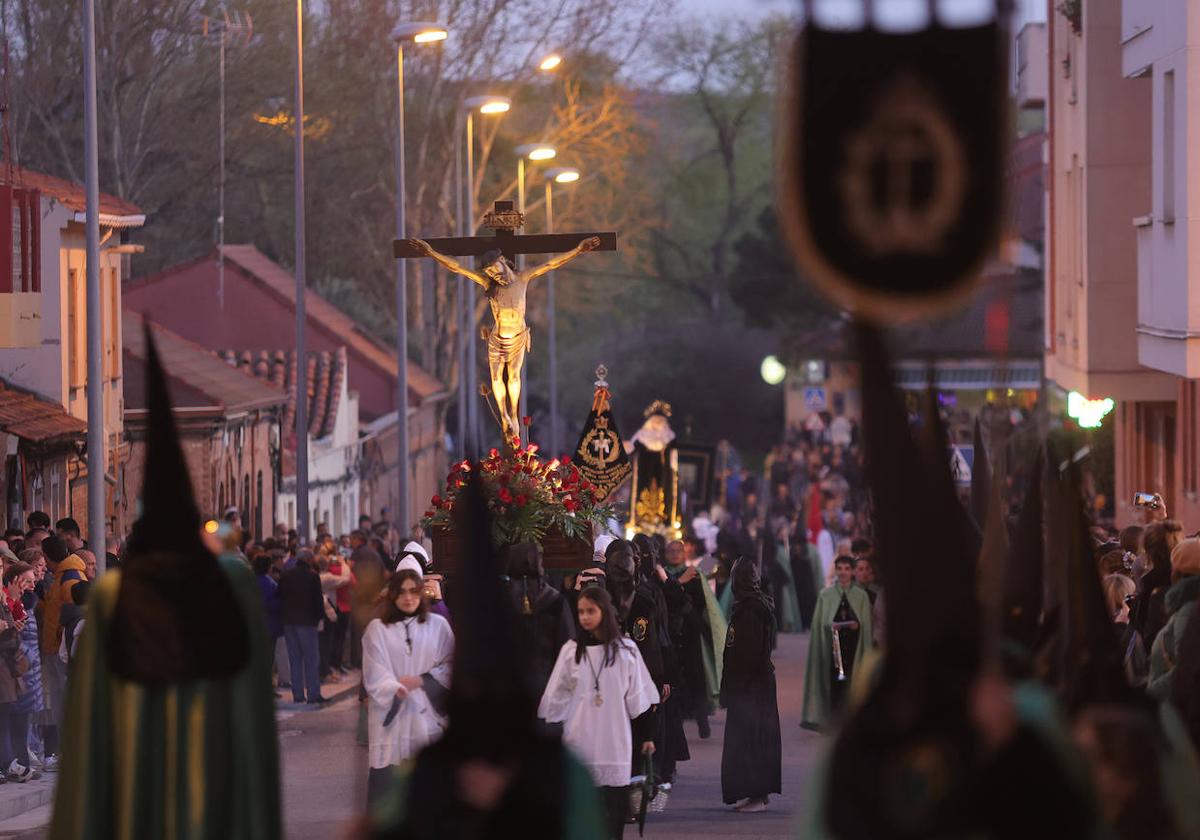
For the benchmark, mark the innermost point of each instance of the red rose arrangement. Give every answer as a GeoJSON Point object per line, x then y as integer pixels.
{"type": "Point", "coordinates": [527, 496]}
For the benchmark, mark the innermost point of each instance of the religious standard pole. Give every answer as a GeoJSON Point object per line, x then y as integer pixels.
{"type": "Point", "coordinates": [476, 432]}
{"type": "Point", "coordinates": [555, 449]}
{"type": "Point", "coordinates": [401, 310]}
{"type": "Point", "coordinates": [302, 511]}
{"type": "Point", "coordinates": [96, 507]}
{"type": "Point", "coordinates": [460, 293]}
{"type": "Point", "coordinates": [523, 411]}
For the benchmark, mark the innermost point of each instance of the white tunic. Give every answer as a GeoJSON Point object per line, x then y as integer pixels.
{"type": "Point", "coordinates": [386, 658]}
{"type": "Point", "coordinates": [600, 736]}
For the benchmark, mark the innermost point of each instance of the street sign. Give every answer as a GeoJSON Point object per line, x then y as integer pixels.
{"type": "Point", "coordinates": [814, 399]}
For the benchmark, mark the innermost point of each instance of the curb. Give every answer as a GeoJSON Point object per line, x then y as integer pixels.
{"type": "Point", "coordinates": [347, 688]}
{"type": "Point", "coordinates": [17, 798]}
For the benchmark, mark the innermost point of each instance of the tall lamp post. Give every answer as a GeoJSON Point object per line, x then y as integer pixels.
{"type": "Point", "coordinates": [96, 507]}
{"type": "Point", "coordinates": [533, 152]}
{"type": "Point", "coordinates": [485, 106]}
{"type": "Point", "coordinates": [558, 175]}
{"type": "Point", "coordinates": [421, 32]}
{"type": "Point", "coordinates": [468, 400]}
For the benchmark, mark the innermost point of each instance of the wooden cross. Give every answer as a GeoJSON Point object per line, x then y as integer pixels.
{"type": "Point", "coordinates": [504, 221]}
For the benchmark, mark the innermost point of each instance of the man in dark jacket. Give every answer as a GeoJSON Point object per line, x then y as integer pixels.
{"type": "Point", "coordinates": [302, 610]}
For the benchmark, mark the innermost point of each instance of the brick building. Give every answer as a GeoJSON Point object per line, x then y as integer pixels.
{"type": "Point", "coordinates": [228, 424]}
{"type": "Point", "coordinates": [258, 315]}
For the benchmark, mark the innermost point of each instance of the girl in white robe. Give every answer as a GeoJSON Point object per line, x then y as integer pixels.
{"type": "Point", "coordinates": [406, 672]}
{"type": "Point", "coordinates": [598, 687]}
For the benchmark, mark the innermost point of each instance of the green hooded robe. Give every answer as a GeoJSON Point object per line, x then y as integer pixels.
{"type": "Point", "coordinates": [191, 761]}
{"type": "Point", "coordinates": [820, 648]}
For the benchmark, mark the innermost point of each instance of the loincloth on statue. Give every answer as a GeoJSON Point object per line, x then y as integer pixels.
{"type": "Point", "coordinates": [507, 351]}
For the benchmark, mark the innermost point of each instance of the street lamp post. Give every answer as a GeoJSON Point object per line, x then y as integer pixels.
{"type": "Point", "coordinates": [96, 508]}
{"type": "Point", "coordinates": [486, 105]}
{"type": "Point", "coordinates": [534, 152]}
{"type": "Point", "coordinates": [302, 511]}
{"type": "Point", "coordinates": [559, 175]}
{"type": "Point", "coordinates": [417, 33]}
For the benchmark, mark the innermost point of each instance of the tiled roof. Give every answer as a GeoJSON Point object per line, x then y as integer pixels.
{"type": "Point", "coordinates": [258, 265]}
{"type": "Point", "coordinates": [198, 379]}
{"type": "Point", "coordinates": [35, 418]}
{"type": "Point", "coordinates": [69, 193]}
{"type": "Point", "coordinates": [326, 375]}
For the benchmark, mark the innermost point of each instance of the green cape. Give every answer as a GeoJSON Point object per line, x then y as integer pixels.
{"type": "Point", "coordinates": [718, 623]}
{"type": "Point", "coordinates": [820, 648]}
{"type": "Point", "coordinates": [192, 761]}
{"type": "Point", "coordinates": [789, 604]}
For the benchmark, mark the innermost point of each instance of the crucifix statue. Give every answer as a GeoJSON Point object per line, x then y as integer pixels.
{"type": "Point", "coordinates": [506, 288]}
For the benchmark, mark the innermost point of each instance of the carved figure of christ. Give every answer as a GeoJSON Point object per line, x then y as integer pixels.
{"type": "Point", "coordinates": [508, 340]}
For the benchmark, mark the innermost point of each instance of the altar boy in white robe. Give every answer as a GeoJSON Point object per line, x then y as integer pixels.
{"type": "Point", "coordinates": [406, 673]}
{"type": "Point", "coordinates": [599, 685]}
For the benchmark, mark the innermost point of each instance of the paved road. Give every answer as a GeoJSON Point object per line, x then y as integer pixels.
{"type": "Point", "coordinates": [324, 773]}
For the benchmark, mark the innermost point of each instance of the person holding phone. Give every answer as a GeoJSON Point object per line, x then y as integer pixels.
{"type": "Point", "coordinates": [599, 685]}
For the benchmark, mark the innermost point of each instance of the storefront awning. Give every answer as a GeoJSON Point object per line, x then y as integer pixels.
{"type": "Point", "coordinates": [974, 375]}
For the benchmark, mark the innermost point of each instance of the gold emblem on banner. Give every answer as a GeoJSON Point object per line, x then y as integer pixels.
{"type": "Point", "coordinates": [905, 177]}
{"type": "Point", "coordinates": [640, 627]}
{"type": "Point", "coordinates": [652, 504]}
{"type": "Point", "coordinates": [600, 446]}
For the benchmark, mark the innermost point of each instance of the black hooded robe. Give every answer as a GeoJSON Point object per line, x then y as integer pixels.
{"type": "Point", "coordinates": [544, 631]}
{"type": "Point", "coordinates": [752, 757]}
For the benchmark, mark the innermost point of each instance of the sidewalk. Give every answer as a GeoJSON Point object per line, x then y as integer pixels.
{"type": "Point", "coordinates": [26, 807]}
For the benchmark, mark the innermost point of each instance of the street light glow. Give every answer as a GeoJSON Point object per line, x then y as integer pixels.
{"type": "Point", "coordinates": [488, 104]}
{"type": "Point", "coordinates": [537, 151]}
{"type": "Point", "coordinates": [564, 175]}
{"type": "Point", "coordinates": [550, 62]}
{"type": "Point", "coordinates": [772, 370]}
{"type": "Point", "coordinates": [1089, 414]}
{"type": "Point", "coordinates": [420, 32]}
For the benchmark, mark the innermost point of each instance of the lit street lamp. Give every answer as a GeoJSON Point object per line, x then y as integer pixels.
{"type": "Point", "coordinates": [488, 105]}
{"type": "Point", "coordinates": [550, 63]}
{"type": "Point", "coordinates": [534, 152]}
{"type": "Point", "coordinates": [421, 32]}
{"type": "Point", "coordinates": [557, 175]}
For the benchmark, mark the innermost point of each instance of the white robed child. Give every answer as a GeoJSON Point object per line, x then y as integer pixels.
{"type": "Point", "coordinates": [602, 693]}
{"type": "Point", "coordinates": [406, 655]}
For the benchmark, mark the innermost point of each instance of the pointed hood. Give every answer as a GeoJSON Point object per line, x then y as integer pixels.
{"type": "Point", "coordinates": [926, 545]}
{"type": "Point", "coordinates": [981, 480]}
{"type": "Point", "coordinates": [912, 734]}
{"type": "Point", "coordinates": [487, 652]}
{"type": "Point", "coordinates": [1022, 581]}
{"type": "Point", "coordinates": [1090, 666]}
{"type": "Point", "coordinates": [176, 617]}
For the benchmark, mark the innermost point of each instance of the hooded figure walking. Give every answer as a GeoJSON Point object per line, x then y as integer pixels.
{"type": "Point", "coordinates": [170, 713]}
{"type": "Point", "coordinates": [752, 757]}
